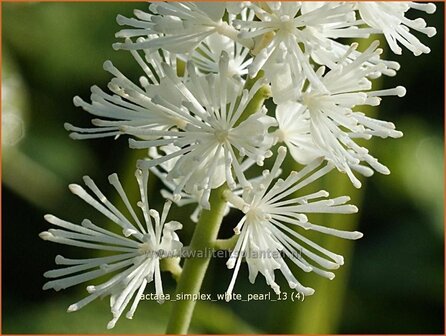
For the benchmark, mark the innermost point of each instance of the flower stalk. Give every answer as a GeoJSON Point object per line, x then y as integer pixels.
{"type": "Point", "coordinates": [226, 244]}
{"type": "Point", "coordinates": [194, 269]}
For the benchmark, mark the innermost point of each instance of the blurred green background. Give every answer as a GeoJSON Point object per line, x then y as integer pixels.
{"type": "Point", "coordinates": [393, 281]}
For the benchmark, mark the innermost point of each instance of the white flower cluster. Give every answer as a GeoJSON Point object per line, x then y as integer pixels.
{"type": "Point", "coordinates": [137, 251]}
{"type": "Point", "coordinates": [207, 69]}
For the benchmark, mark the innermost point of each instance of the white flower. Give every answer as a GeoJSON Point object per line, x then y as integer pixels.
{"type": "Point", "coordinates": [328, 121]}
{"type": "Point", "coordinates": [265, 233]}
{"type": "Point", "coordinates": [137, 251]}
{"type": "Point", "coordinates": [201, 115]}
{"type": "Point", "coordinates": [282, 28]}
{"type": "Point", "coordinates": [389, 19]}
{"type": "Point", "coordinates": [183, 25]}
{"type": "Point", "coordinates": [131, 104]}
{"type": "Point", "coordinates": [216, 133]}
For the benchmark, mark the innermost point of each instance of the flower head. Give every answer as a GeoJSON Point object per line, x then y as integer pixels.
{"type": "Point", "coordinates": [216, 133]}
{"type": "Point", "coordinates": [201, 115]}
{"type": "Point", "coordinates": [270, 227]}
{"type": "Point", "coordinates": [284, 28]}
{"type": "Point", "coordinates": [136, 253]}
{"type": "Point", "coordinates": [329, 123]}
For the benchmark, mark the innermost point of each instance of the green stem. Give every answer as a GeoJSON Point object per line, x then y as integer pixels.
{"type": "Point", "coordinates": [251, 81]}
{"type": "Point", "coordinates": [255, 104]}
{"type": "Point", "coordinates": [226, 244]}
{"type": "Point", "coordinates": [194, 269]}
{"type": "Point", "coordinates": [172, 265]}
